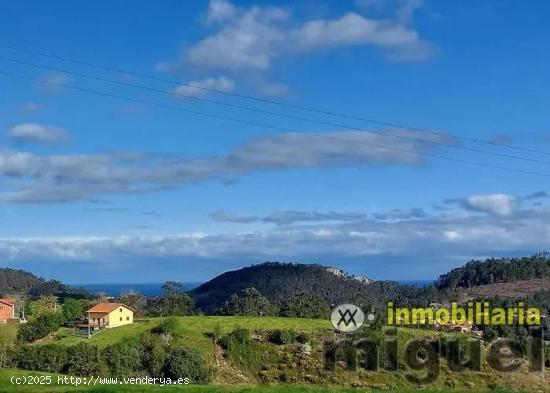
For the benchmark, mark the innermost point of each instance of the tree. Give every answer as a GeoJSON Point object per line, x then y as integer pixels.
{"type": "Point", "coordinates": [72, 310]}
{"type": "Point", "coordinates": [171, 287]}
{"type": "Point", "coordinates": [173, 302]}
{"type": "Point", "coordinates": [38, 327]}
{"type": "Point", "coordinates": [44, 305]}
{"type": "Point", "coordinates": [306, 305]}
{"type": "Point", "coordinates": [136, 301]}
{"type": "Point", "coordinates": [250, 303]}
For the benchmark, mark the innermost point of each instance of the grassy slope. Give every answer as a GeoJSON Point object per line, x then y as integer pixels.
{"type": "Point", "coordinates": [193, 329]}
{"type": "Point", "coordinates": [8, 333]}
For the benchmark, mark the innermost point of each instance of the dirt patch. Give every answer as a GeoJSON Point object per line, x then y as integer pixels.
{"type": "Point", "coordinates": [511, 290]}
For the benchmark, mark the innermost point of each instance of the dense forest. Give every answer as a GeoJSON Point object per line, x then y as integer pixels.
{"type": "Point", "coordinates": [23, 282]}
{"type": "Point", "coordinates": [281, 281]}
{"type": "Point", "coordinates": [495, 270]}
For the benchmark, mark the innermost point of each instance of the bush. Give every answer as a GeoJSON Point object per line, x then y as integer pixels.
{"type": "Point", "coordinates": [39, 327]}
{"type": "Point", "coordinates": [242, 350]}
{"type": "Point", "coordinates": [302, 338]}
{"type": "Point", "coordinates": [124, 359]}
{"type": "Point", "coordinates": [167, 326]}
{"type": "Point", "coordinates": [155, 354]}
{"type": "Point", "coordinates": [84, 359]}
{"type": "Point", "coordinates": [50, 358]}
{"type": "Point", "coordinates": [238, 337]}
{"type": "Point", "coordinates": [282, 337]}
{"type": "Point", "coordinates": [187, 363]}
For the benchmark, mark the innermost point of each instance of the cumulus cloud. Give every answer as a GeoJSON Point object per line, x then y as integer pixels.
{"type": "Point", "coordinates": [497, 204]}
{"type": "Point", "coordinates": [59, 178]}
{"type": "Point", "coordinates": [37, 133]}
{"type": "Point", "coordinates": [202, 87]}
{"type": "Point", "coordinates": [254, 37]}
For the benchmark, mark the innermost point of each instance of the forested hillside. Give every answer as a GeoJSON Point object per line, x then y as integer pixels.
{"type": "Point", "coordinates": [280, 281]}
{"type": "Point", "coordinates": [494, 270]}
{"type": "Point", "coordinates": [21, 281]}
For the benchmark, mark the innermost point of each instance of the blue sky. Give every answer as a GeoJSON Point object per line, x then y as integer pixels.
{"type": "Point", "coordinates": [101, 189]}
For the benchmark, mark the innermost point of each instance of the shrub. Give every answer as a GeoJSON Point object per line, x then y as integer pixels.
{"type": "Point", "coordinates": [167, 326]}
{"type": "Point", "coordinates": [187, 363]}
{"type": "Point", "coordinates": [155, 353]}
{"type": "Point", "coordinates": [39, 327]}
{"type": "Point", "coordinates": [242, 350]}
{"type": "Point", "coordinates": [124, 359]}
{"type": "Point", "coordinates": [50, 358]}
{"type": "Point", "coordinates": [282, 337]}
{"type": "Point", "coordinates": [84, 359]}
{"type": "Point", "coordinates": [302, 338]}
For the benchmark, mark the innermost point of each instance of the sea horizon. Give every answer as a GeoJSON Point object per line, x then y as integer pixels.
{"type": "Point", "coordinates": [119, 289]}
{"type": "Point", "coordinates": [154, 289]}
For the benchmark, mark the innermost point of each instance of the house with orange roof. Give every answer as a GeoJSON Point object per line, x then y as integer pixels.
{"type": "Point", "coordinates": [7, 310]}
{"type": "Point", "coordinates": [109, 315]}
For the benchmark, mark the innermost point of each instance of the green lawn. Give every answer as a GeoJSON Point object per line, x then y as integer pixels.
{"type": "Point", "coordinates": [8, 333]}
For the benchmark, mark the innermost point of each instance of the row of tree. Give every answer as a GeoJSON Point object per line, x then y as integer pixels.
{"type": "Point", "coordinates": [250, 302]}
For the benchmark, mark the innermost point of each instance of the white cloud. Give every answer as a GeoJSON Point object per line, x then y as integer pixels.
{"type": "Point", "coordinates": [288, 217]}
{"type": "Point", "coordinates": [444, 236]}
{"type": "Point", "coordinates": [37, 133]}
{"type": "Point", "coordinates": [254, 37]}
{"type": "Point", "coordinates": [204, 86]}
{"type": "Point", "coordinates": [221, 216]}
{"type": "Point", "coordinates": [497, 204]}
{"type": "Point", "coordinates": [59, 178]}
{"type": "Point", "coordinates": [220, 10]}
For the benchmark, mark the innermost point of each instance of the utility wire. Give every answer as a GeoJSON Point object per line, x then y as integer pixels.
{"type": "Point", "coordinates": [273, 102]}
{"type": "Point", "coordinates": [284, 115]}
{"type": "Point", "coordinates": [237, 120]}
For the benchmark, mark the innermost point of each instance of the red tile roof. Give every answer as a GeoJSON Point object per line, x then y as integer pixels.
{"type": "Point", "coordinates": [107, 307]}
{"type": "Point", "coordinates": [9, 302]}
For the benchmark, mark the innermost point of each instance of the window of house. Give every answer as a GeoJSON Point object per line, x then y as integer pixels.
{"type": "Point", "coordinates": [121, 318]}
{"type": "Point", "coordinates": [120, 309]}
{"type": "Point", "coordinates": [127, 318]}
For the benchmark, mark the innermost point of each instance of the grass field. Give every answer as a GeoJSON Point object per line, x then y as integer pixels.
{"type": "Point", "coordinates": [194, 328]}
{"type": "Point", "coordinates": [6, 386]}
{"type": "Point", "coordinates": [193, 332]}
{"type": "Point", "coordinates": [8, 332]}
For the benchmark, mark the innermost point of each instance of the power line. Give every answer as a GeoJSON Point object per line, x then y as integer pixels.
{"type": "Point", "coordinates": [325, 123]}
{"type": "Point", "coordinates": [215, 116]}
{"type": "Point", "coordinates": [273, 102]}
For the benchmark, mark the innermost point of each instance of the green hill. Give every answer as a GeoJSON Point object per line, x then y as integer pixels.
{"type": "Point", "coordinates": [281, 281]}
